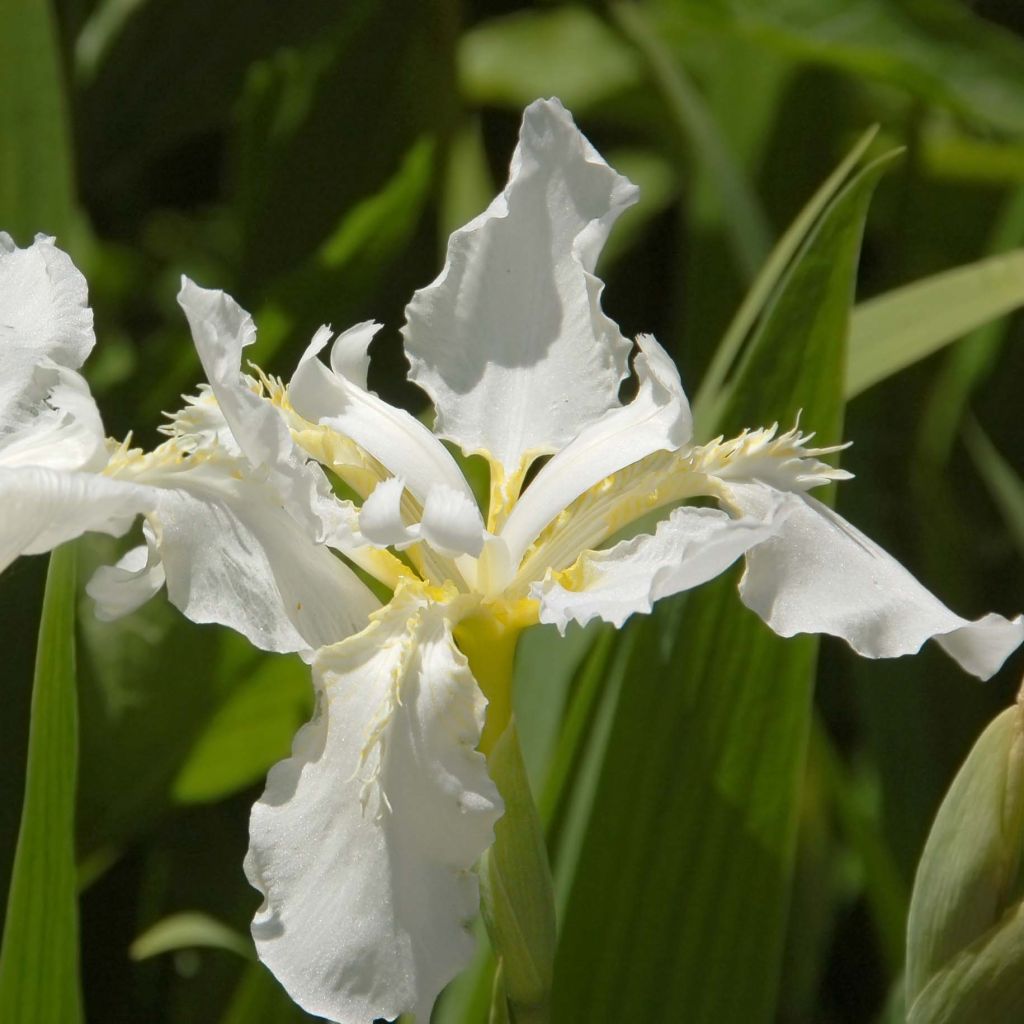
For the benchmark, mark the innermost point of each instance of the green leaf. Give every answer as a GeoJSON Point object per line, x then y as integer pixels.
{"type": "Point", "coordinates": [708, 402]}
{"type": "Point", "coordinates": [299, 104]}
{"type": "Point", "coordinates": [965, 937]}
{"type": "Point", "coordinates": [187, 930]}
{"type": "Point", "coordinates": [903, 326]}
{"type": "Point", "coordinates": [1003, 482]}
{"type": "Point", "coordinates": [128, 117]}
{"type": "Point", "coordinates": [565, 52]}
{"type": "Point", "coordinates": [36, 190]}
{"type": "Point", "coordinates": [687, 858]}
{"type": "Point", "coordinates": [937, 50]}
{"type": "Point", "coordinates": [39, 958]}
{"type": "Point", "coordinates": [688, 116]}
{"type": "Point", "coordinates": [967, 363]}
{"type": "Point", "coordinates": [248, 733]}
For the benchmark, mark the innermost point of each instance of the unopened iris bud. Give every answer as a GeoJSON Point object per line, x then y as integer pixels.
{"type": "Point", "coordinates": [965, 943]}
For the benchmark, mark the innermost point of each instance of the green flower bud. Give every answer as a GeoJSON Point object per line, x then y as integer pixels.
{"type": "Point", "coordinates": [965, 941]}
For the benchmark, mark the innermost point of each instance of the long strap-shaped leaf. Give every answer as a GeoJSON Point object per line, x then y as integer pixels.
{"type": "Point", "coordinates": [36, 192]}
{"type": "Point", "coordinates": [39, 957]}
{"type": "Point", "coordinates": [678, 907]}
{"type": "Point", "coordinates": [899, 328]}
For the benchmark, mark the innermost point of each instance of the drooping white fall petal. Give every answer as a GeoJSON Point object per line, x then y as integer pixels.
{"type": "Point", "coordinates": [820, 574]}
{"type": "Point", "coordinates": [233, 553]}
{"type": "Point", "coordinates": [510, 341]}
{"type": "Point", "coordinates": [363, 841]}
{"type": "Point", "coordinates": [690, 547]}
{"type": "Point", "coordinates": [43, 508]}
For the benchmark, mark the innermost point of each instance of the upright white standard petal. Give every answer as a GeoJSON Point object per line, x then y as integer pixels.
{"type": "Point", "coordinates": [363, 841]}
{"type": "Point", "coordinates": [510, 341]}
{"type": "Point", "coordinates": [819, 574]}
{"type": "Point", "coordinates": [691, 547]}
{"type": "Point", "coordinates": [393, 437]}
{"type": "Point", "coordinates": [45, 507]}
{"type": "Point", "coordinates": [658, 419]}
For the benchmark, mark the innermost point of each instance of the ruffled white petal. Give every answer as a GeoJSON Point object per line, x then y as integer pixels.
{"type": "Point", "coordinates": [222, 330]}
{"type": "Point", "coordinates": [124, 587]}
{"type": "Point", "coordinates": [45, 322]}
{"type": "Point", "coordinates": [66, 433]}
{"type": "Point", "coordinates": [819, 574]}
{"type": "Point", "coordinates": [658, 419]}
{"type": "Point", "coordinates": [44, 507]}
{"type": "Point", "coordinates": [393, 437]}
{"type": "Point", "coordinates": [690, 547]}
{"type": "Point", "coordinates": [510, 341]}
{"type": "Point", "coordinates": [234, 555]}
{"type": "Point", "coordinates": [363, 842]}
{"type": "Point", "coordinates": [47, 415]}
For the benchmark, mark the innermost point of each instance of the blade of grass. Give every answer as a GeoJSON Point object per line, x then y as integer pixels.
{"type": "Point", "coordinates": [39, 958]}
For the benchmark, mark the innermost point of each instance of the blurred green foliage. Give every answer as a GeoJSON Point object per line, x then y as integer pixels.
{"type": "Point", "coordinates": [723, 849]}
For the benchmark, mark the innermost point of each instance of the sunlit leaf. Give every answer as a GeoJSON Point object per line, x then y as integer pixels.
{"type": "Point", "coordinates": [937, 50]}
{"type": "Point", "coordinates": [903, 326]}
{"type": "Point", "coordinates": [249, 732]}
{"type": "Point", "coordinates": [681, 890]}
{"type": "Point", "coordinates": [36, 189]}
{"type": "Point", "coordinates": [39, 957]}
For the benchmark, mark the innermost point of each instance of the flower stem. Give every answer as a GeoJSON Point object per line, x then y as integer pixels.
{"type": "Point", "coordinates": [516, 894]}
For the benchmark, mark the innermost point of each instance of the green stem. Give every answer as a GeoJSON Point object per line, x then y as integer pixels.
{"type": "Point", "coordinates": [516, 893]}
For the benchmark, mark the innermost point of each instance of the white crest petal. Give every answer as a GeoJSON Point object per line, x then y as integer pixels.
{"type": "Point", "coordinates": [658, 419]}
{"type": "Point", "coordinates": [690, 547]}
{"type": "Point", "coordinates": [363, 842]}
{"type": "Point", "coordinates": [44, 507]}
{"type": "Point", "coordinates": [350, 353]}
{"type": "Point", "coordinates": [510, 341]}
{"type": "Point", "coordinates": [819, 574]}
{"type": "Point", "coordinates": [393, 437]}
{"type": "Point", "coordinates": [380, 518]}
{"type": "Point", "coordinates": [451, 522]}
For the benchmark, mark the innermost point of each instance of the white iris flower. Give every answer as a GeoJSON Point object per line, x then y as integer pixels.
{"type": "Point", "coordinates": [364, 840]}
